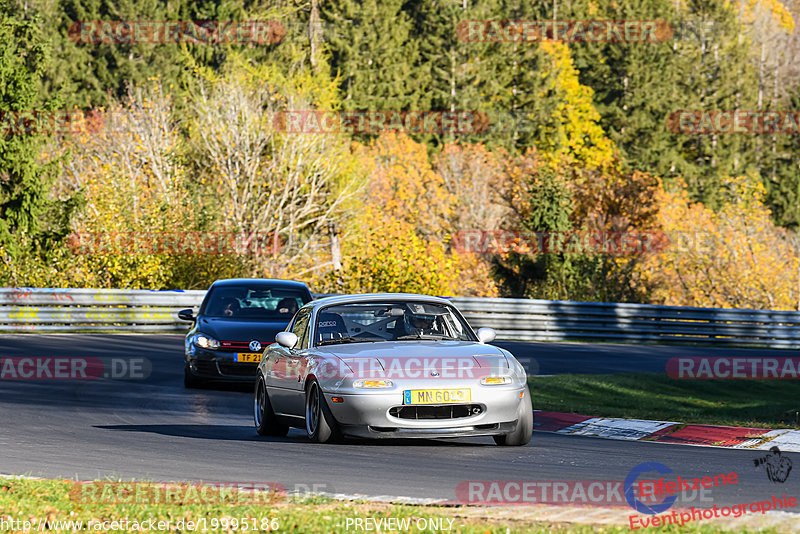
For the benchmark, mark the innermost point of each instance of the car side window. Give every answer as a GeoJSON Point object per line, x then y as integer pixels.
{"type": "Point", "coordinates": [300, 328]}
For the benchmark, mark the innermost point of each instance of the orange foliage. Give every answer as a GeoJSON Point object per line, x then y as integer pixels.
{"type": "Point", "coordinates": [403, 183]}
{"type": "Point", "coordinates": [733, 258]}
{"type": "Point", "coordinates": [615, 200]}
{"type": "Point", "coordinates": [398, 238]}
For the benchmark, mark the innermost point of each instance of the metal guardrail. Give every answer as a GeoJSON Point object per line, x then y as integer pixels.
{"type": "Point", "coordinates": [546, 320]}
{"type": "Point", "coordinates": [126, 310]}
{"type": "Point", "coordinates": [65, 310]}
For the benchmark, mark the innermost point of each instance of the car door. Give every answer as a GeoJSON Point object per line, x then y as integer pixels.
{"type": "Point", "coordinates": [285, 368]}
{"type": "Point", "coordinates": [298, 365]}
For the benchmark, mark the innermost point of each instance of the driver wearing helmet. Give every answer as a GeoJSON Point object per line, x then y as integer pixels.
{"type": "Point", "coordinates": [419, 324]}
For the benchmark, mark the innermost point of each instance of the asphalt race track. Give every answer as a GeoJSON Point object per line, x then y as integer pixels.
{"type": "Point", "coordinates": [154, 429]}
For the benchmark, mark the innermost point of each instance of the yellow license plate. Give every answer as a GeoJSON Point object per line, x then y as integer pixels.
{"type": "Point", "coordinates": [435, 396]}
{"type": "Point", "coordinates": [247, 357]}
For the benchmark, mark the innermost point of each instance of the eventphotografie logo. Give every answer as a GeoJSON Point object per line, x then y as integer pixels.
{"type": "Point", "coordinates": [630, 483]}
{"type": "Point", "coordinates": [666, 491]}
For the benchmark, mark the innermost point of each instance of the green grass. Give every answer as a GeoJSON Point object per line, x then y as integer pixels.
{"type": "Point", "coordinates": [754, 403]}
{"type": "Point", "coordinates": [26, 499]}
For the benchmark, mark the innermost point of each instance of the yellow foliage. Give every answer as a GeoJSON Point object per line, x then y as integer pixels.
{"type": "Point", "coordinates": [578, 133]}
{"type": "Point", "coordinates": [782, 17]}
{"type": "Point", "coordinates": [397, 238]}
{"type": "Point", "coordinates": [733, 258]}
{"type": "Point", "coordinates": [389, 256]}
{"type": "Point", "coordinates": [405, 185]}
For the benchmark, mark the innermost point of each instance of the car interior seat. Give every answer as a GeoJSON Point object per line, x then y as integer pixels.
{"type": "Point", "coordinates": [330, 326]}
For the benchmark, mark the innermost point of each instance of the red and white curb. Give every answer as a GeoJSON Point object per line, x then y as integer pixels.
{"type": "Point", "coordinates": [667, 431]}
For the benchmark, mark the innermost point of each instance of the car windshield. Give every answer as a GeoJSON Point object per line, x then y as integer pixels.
{"type": "Point", "coordinates": [264, 303]}
{"type": "Point", "coordinates": [389, 321]}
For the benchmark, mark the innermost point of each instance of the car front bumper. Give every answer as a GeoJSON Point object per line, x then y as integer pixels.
{"type": "Point", "coordinates": [376, 414]}
{"type": "Point", "coordinates": [212, 365]}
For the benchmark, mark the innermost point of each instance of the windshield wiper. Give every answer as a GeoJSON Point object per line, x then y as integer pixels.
{"type": "Point", "coordinates": [336, 341]}
{"type": "Point", "coordinates": [424, 336]}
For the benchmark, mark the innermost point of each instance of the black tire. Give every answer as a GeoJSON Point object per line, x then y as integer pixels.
{"type": "Point", "coordinates": [321, 427]}
{"type": "Point", "coordinates": [189, 380]}
{"type": "Point", "coordinates": [263, 416]}
{"type": "Point", "coordinates": [522, 434]}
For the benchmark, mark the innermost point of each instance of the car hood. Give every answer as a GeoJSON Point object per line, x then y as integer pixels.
{"type": "Point", "coordinates": [226, 329]}
{"type": "Point", "coordinates": [413, 357]}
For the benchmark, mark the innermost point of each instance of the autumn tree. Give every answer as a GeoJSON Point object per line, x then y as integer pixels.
{"type": "Point", "coordinates": [398, 236]}
{"type": "Point", "coordinates": [731, 258]}
{"type": "Point", "coordinates": [265, 180]}
{"type": "Point", "coordinates": [390, 256]}
{"type": "Point", "coordinates": [126, 161]}
{"type": "Point", "coordinates": [404, 183]}
{"type": "Point", "coordinates": [472, 174]}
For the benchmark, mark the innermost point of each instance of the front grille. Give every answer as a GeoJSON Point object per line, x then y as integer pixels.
{"type": "Point", "coordinates": [234, 346]}
{"type": "Point", "coordinates": [238, 369]}
{"type": "Point", "coordinates": [452, 411]}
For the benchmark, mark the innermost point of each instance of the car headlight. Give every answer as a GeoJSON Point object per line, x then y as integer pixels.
{"type": "Point", "coordinates": [372, 384]}
{"type": "Point", "coordinates": [495, 380]}
{"type": "Point", "coordinates": [206, 342]}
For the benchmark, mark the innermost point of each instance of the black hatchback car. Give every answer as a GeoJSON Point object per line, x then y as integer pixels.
{"type": "Point", "coordinates": [237, 319]}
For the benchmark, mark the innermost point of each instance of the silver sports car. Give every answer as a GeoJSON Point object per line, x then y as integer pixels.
{"type": "Point", "coordinates": [390, 366]}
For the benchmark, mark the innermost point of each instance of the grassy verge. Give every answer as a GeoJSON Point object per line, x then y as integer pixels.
{"type": "Point", "coordinates": [753, 403]}
{"type": "Point", "coordinates": [32, 500]}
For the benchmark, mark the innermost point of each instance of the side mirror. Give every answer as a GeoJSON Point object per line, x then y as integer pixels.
{"type": "Point", "coordinates": [186, 315]}
{"type": "Point", "coordinates": [286, 339]}
{"type": "Point", "coordinates": [486, 335]}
